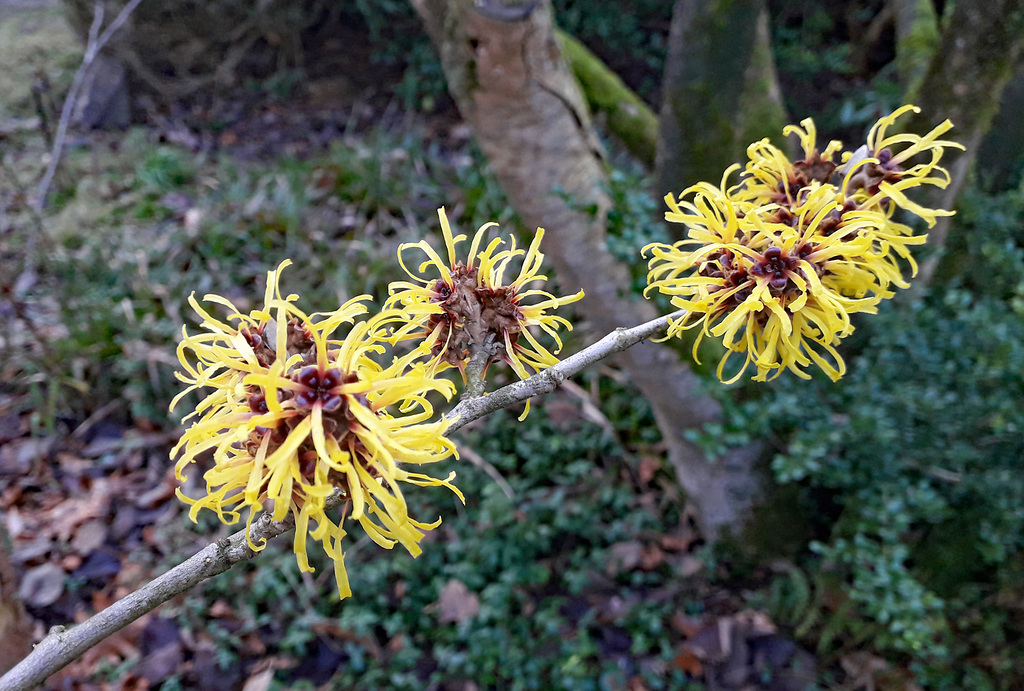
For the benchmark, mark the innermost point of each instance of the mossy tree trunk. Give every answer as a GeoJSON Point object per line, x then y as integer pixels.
{"type": "Point", "coordinates": [978, 51]}
{"type": "Point", "coordinates": [1001, 154]}
{"type": "Point", "coordinates": [628, 117]}
{"type": "Point", "coordinates": [917, 36]}
{"type": "Point", "coordinates": [506, 71]}
{"type": "Point", "coordinates": [721, 90]}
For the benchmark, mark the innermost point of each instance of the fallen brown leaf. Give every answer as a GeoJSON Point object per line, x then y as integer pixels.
{"type": "Point", "coordinates": [133, 683]}
{"type": "Point", "coordinates": [221, 610]}
{"type": "Point", "coordinates": [89, 536]}
{"type": "Point", "coordinates": [649, 466]}
{"type": "Point", "coordinates": [675, 543]}
{"type": "Point", "coordinates": [685, 624]}
{"type": "Point", "coordinates": [690, 565]}
{"type": "Point", "coordinates": [260, 681]}
{"type": "Point", "coordinates": [624, 557]}
{"type": "Point", "coordinates": [117, 646]}
{"type": "Point", "coordinates": [456, 604]}
{"type": "Point", "coordinates": [651, 558]}
{"type": "Point", "coordinates": [862, 668]}
{"type": "Point", "coordinates": [70, 513]}
{"type": "Point", "coordinates": [71, 562]}
{"type": "Point", "coordinates": [689, 663]}
{"type": "Point", "coordinates": [15, 625]}
{"type": "Point", "coordinates": [42, 585]}
{"type": "Point", "coordinates": [101, 599]}
{"type": "Point", "coordinates": [253, 645]}
{"type": "Point", "coordinates": [16, 457]}
{"type": "Point", "coordinates": [636, 684]}
{"type": "Point", "coordinates": [755, 623]}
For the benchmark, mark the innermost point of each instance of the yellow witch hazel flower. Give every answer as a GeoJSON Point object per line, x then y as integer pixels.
{"type": "Point", "coordinates": [454, 305]}
{"type": "Point", "coordinates": [776, 264]}
{"type": "Point", "coordinates": [296, 412]}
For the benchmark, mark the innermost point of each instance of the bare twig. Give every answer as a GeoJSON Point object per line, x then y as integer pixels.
{"type": "Point", "coordinates": [57, 152]}
{"type": "Point", "coordinates": [62, 646]}
{"type": "Point", "coordinates": [480, 462]}
{"type": "Point", "coordinates": [94, 44]}
{"type": "Point", "coordinates": [87, 424]}
{"type": "Point", "coordinates": [590, 410]}
{"type": "Point", "coordinates": [480, 356]}
{"type": "Point", "coordinates": [548, 380]}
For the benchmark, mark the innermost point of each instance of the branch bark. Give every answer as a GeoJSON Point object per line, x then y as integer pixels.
{"type": "Point", "coordinates": [546, 381]}
{"type": "Point", "coordinates": [515, 89]}
{"type": "Point", "coordinates": [62, 646]}
{"type": "Point", "coordinates": [95, 43]}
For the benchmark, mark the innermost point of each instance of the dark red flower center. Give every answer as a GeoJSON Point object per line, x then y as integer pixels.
{"type": "Point", "coordinates": [776, 265]}
{"type": "Point", "coordinates": [318, 386]}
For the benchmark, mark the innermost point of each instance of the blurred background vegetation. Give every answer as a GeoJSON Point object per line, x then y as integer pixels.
{"type": "Point", "coordinates": [887, 545]}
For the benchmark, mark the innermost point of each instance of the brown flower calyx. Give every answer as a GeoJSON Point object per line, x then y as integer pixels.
{"type": "Point", "coordinates": [298, 340]}
{"type": "Point", "coordinates": [833, 221]}
{"type": "Point", "coordinates": [257, 340]}
{"type": "Point", "coordinates": [473, 315]}
{"type": "Point", "coordinates": [722, 264]}
{"type": "Point", "coordinates": [318, 387]}
{"type": "Point", "coordinates": [870, 176]}
{"type": "Point", "coordinates": [813, 169]}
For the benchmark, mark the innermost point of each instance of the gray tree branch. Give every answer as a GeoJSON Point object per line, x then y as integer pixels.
{"type": "Point", "coordinates": [96, 42]}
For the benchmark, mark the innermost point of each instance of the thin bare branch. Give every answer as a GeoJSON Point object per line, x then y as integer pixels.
{"type": "Point", "coordinates": [94, 44]}
{"type": "Point", "coordinates": [480, 462]}
{"type": "Point", "coordinates": [544, 382]}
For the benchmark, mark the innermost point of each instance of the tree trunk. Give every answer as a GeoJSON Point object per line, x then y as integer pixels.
{"type": "Point", "coordinates": [1001, 154]}
{"type": "Point", "coordinates": [917, 36]}
{"type": "Point", "coordinates": [721, 90]}
{"type": "Point", "coordinates": [977, 55]}
{"type": "Point", "coordinates": [628, 116]}
{"type": "Point", "coordinates": [507, 74]}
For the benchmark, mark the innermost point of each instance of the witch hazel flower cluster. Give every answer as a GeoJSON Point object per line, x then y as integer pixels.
{"type": "Point", "coordinates": [775, 264]}
{"type": "Point", "coordinates": [297, 406]}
